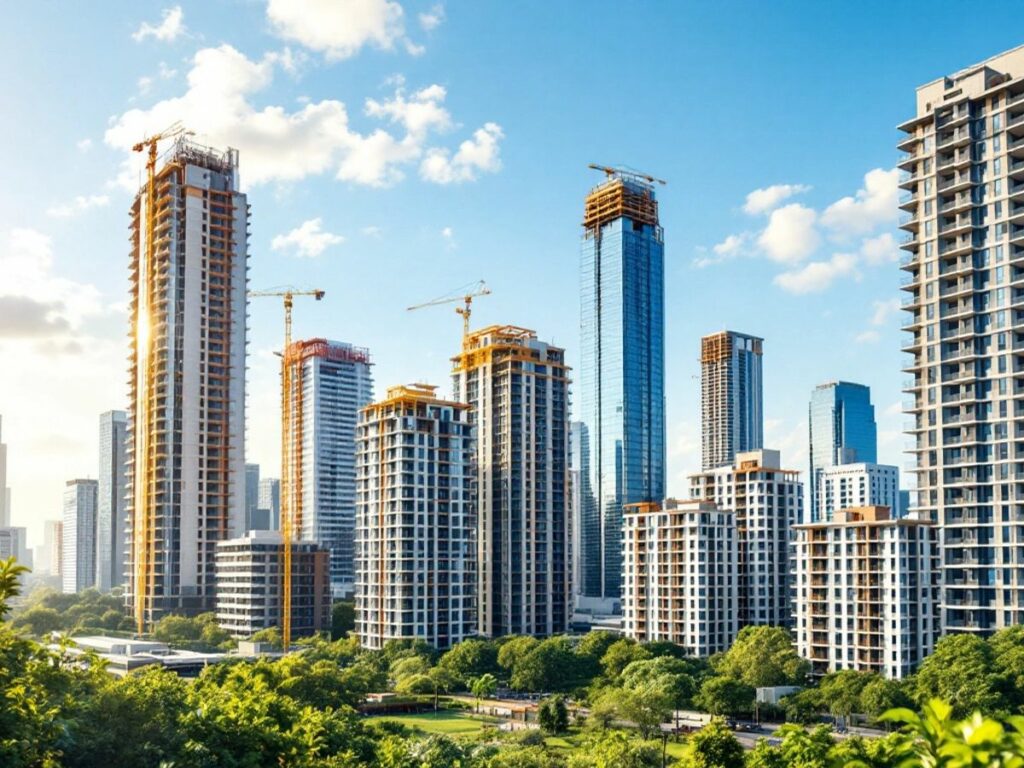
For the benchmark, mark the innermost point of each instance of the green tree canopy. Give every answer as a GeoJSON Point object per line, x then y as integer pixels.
{"type": "Point", "coordinates": [714, 746]}
{"type": "Point", "coordinates": [961, 672]}
{"type": "Point", "coordinates": [471, 658]}
{"type": "Point", "coordinates": [620, 655]}
{"type": "Point", "coordinates": [724, 696]}
{"type": "Point", "coordinates": [762, 657]}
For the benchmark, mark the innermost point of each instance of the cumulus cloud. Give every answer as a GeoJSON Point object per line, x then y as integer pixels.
{"type": "Point", "coordinates": [79, 205]}
{"type": "Point", "coordinates": [475, 155]}
{"type": "Point", "coordinates": [280, 145]}
{"type": "Point", "coordinates": [308, 240]}
{"type": "Point", "coordinates": [731, 247]}
{"type": "Point", "coordinates": [874, 204]}
{"type": "Point", "coordinates": [867, 337]}
{"type": "Point", "coordinates": [171, 26]}
{"type": "Point", "coordinates": [768, 198]}
{"type": "Point", "coordinates": [882, 311]}
{"type": "Point", "coordinates": [790, 236]}
{"type": "Point", "coordinates": [816, 276]}
{"type": "Point", "coordinates": [84, 145]}
{"type": "Point", "coordinates": [432, 19]}
{"type": "Point", "coordinates": [338, 28]}
{"type": "Point", "coordinates": [880, 250]}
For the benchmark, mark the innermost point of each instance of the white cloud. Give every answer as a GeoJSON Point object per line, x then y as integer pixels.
{"type": "Point", "coordinates": [279, 146]}
{"type": "Point", "coordinates": [447, 233]}
{"type": "Point", "coordinates": [372, 231]}
{"type": "Point", "coordinates": [79, 205]}
{"type": "Point", "coordinates": [172, 24]}
{"type": "Point", "coordinates": [731, 247]}
{"type": "Point", "coordinates": [880, 250]}
{"type": "Point", "coordinates": [84, 145]}
{"type": "Point", "coordinates": [884, 310]}
{"type": "Point", "coordinates": [768, 198]}
{"type": "Point", "coordinates": [432, 19]}
{"type": "Point", "coordinates": [481, 153]}
{"type": "Point", "coordinates": [818, 275]}
{"type": "Point", "coordinates": [307, 240]}
{"type": "Point", "coordinates": [867, 337]}
{"type": "Point", "coordinates": [338, 28]}
{"type": "Point", "coordinates": [790, 236]}
{"type": "Point", "coordinates": [874, 204]}
{"type": "Point", "coordinates": [145, 84]}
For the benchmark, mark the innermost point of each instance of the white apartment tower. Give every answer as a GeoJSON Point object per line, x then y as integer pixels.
{"type": "Point", "coordinates": [518, 388]}
{"type": "Point", "coordinates": [78, 570]}
{"type": "Point", "coordinates": [270, 500]}
{"type": "Point", "coordinates": [731, 397]}
{"type": "Point", "coordinates": [963, 176]}
{"type": "Point", "coordinates": [767, 501]}
{"type": "Point", "coordinates": [111, 526]}
{"type": "Point", "coordinates": [867, 591]}
{"type": "Point", "coordinates": [337, 383]}
{"type": "Point", "coordinates": [858, 485]}
{"type": "Point", "coordinates": [679, 575]}
{"type": "Point", "coordinates": [186, 421]}
{"type": "Point", "coordinates": [415, 520]}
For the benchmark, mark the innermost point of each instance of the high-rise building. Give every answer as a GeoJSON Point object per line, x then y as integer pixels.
{"type": "Point", "coordinates": [78, 570]}
{"type": "Point", "coordinates": [415, 520]}
{"type": "Point", "coordinates": [622, 373]}
{"type": "Point", "coordinates": [5, 492]}
{"type": "Point", "coordinates": [859, 485]}
{"type": "Point", "coordinates": [518, 388]}
{"type": "Point", "coordinates": [254, 521]}
{"type": "Point", "coordinates": [842, 430]}
{"type": "Point", "coordinates": [249, 585]}
{"type": "Point", "coordinates": [53, 543]}
{"type": "Point", "coordinates": [731, 397]}
{"type": "Point", "coordinates": [680, 581]}
{"type": "Point", "coordinates": [270, 500]}
{"type": "Point", "coordinates": [336, 383]}
{"type": "Point", "coordinates": [111, 524]}
{"type": "Point", "coordinates": [14, 543]}
{"type": "Point", "coordinates": [186, 422]}
{"type": "Point", "coordinates": [964, 238]}
{"type": "Point", "coordinates": [575, 504]}
{"type": "Point", "coordinates": [767, 501]}
{"type": "Point", "coordinates": [867, 592]}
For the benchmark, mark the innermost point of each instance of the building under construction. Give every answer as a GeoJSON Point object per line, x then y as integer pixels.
{"type": "Point", "coordinates": [519, 389]}
{"type": "Point", "coordinates": [186, 419]}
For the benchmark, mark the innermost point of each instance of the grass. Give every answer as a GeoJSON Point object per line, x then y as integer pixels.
{"type": "Point", "coordinates": [448, 722]}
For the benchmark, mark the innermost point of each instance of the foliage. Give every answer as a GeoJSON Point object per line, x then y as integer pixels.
{"type": "Point", "coordinates": [513, 649]}
{"type": "Point", "coordinates": [616, 749]}
{"type": "Point", "coordinates": [343, 619]}
{"type": "Point", "coordinates": [482, 687]}
{"type": "Point", "coordinates": [960, 672]}
{"type": "Point", "coordinates": [620, 655]}
{"type": "Point", "coordinates": [761, 657]}
{"type": "Point", "coordinates": [841, 691]}
{"type": "Point", "coordinates": [553, 715]}
{"type": "Point", "coordinates": [549, 666]}
{"type": "Point", "coordinates": [646, 702]}
{"type": "Point", "coordinates": [198, 633]}
{"type": "Point", "coordinates": [470, 659]}
{"type": "Point", "coordinates": [46, 610]}
{"type": "Point", "coordinates": [10, 573]}
{"type": "Point", "coordinates": [714, 746]}
{"type": "Point", "coordinates": [724, 696]}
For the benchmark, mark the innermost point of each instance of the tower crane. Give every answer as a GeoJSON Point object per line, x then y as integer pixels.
{"type": "Point", "coordinates": [466, 294]}
{"type": "Point", "coordinates": [291, 452]}
{"type": "Point", "coordinates": [143, 527]}
{"type": "Point", "coordinates": [610, 171]}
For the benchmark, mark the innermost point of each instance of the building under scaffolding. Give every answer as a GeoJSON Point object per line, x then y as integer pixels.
{"type": "Point", "coordinates": [186, 419]}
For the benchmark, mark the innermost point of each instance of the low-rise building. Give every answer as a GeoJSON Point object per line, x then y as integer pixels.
{"type": "Point", "coordinates": [867, 592]}
{"type": "Point", "coordinates": [679, 575]}
{"type": "Point", "coordinates": [249, 585]}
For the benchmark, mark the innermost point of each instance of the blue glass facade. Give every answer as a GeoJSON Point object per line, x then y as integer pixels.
{"type": "Point", "coordinates": [622, 373]}
{"type": "Point", "coordinates": [842, 431]}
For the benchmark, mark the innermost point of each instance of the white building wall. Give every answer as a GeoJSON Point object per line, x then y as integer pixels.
{"type": "Point", "coordinates": [79, 532]}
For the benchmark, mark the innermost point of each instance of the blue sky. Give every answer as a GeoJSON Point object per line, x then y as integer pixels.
{"type": "Point", "coordinates": [395, 151]}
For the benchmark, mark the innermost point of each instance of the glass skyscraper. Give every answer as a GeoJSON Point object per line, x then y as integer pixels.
{"type": "Point", "coordinates": [842, 431]}
{"type": "Point", "coordinates": [622, 371]}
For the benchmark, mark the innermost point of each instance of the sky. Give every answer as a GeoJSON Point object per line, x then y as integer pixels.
{"type": "Point", "coordinates": [396, 151]}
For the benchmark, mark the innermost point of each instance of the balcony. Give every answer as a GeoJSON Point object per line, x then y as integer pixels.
{"type": "Point", "coordinates": [955, 138]}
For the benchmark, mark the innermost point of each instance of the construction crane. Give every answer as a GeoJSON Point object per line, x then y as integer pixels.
{"type": "Point", "coordinates": [143, 528]}
{"type": "Point", "coordinates": [619, 171]}
{"type": "Point", "coordinates": [291, 453]}
{"type": "Point", "coordinates": [466, 295]}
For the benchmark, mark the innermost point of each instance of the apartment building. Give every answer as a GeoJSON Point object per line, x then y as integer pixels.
{"type": "Point", "coordinates": [858, 485]}
{"type": "Point", "coordinates": [731, 397]}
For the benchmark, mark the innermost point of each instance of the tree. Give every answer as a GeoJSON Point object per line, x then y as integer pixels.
{"type": "Point", "coordinates": [714, 746]}
{"type": "Point", "coordinates": [271, 636]}
{"type": "Point", "coordinates": [482, 687]}
{"type": "Point", "coordinates": [802, 707]}
{"type": "Point", "coordinates": [10, 586]}
{"type": "Point", "coordinates": [471, 658]}
{"type": "Point", "coordinates": [548, 667]}
{"type": "Point", "coordinates": [603, 710]}
{"type": "Point", "coordinates": [343, 619]}
{"type": "Point", "coordinates": [647, 703]}
{"type": "Point", "coordinates": [616, 749]}
{"type": "Point", "coordinates": [801, 747]}
{"type": "Point", "coordinates": [553, 715]}
{"type": "Point", "coordinates": [960, 672]}
{"type": "Point", "coordinates": [513, 649]}
{"type": "Point", "coordinates": [1008, 661]}
{"type": "Point", "coordinates": [724, 696]}
{"type": "Point", "coordinates": [620, 655]}
{"type": "Point", "coordinates": [841, 691]}
{"type": "Point", "coordinates": [762, 657]}
{"type": "Point", "coordinates": [672, 672]}
{"type": "Point", "coordinates": [408, 666]}
{"type": "Point", "coordinates": [880, 695]}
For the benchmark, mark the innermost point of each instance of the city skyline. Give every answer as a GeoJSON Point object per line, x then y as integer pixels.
{"type": "Point", "coordinates": [42, 245]}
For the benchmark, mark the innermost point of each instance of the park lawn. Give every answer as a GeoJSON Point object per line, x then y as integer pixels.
{"type": "Point", "coordinates": [448, 722]}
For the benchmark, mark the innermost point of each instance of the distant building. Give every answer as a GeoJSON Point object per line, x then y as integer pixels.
{"type": "Point", "coordinates": [14, 543]}
{"type": "Point", "coordinates": [78, 571]}
{"type": "Point", "coordinates": [415, 520]}
{"type": "Point", "coordinates": [679, 575]}
{"type": "Point", "coordinates": [575, 504]}
{"type": "Point", "coordinates": [123, 656]}
{"type": "Point", "coordinates": [518, 388]}
{"type": "Point", "coordinates": [621, 382]}
{"type": "Point", "coordinates": [111, 523]}
{"type": "Point", "coordinates": [254, 521]}
{"type": "Point", "coordinates": [767, 501]}
{"type": "Point", "coordinates": [731, 397]}
{"type": "Point", "coordinates": [186, 416]}
{"type": "Point", "coordinates": [270, 500]}
{"type": "Point", "coordinates": [859, 485]}
{"type": "Point", "coordinates": [5, 492]}
{"type": "Point", "coordinates": [336, 382]}
{"type": "Point", "coordinates": [867, 592]}
{"type": "Point", "coordinates": [842, 431]}
{"type": "Point", "coordinates": [53, 543]}
{"type": "Point", "coordinates": [249, 585]}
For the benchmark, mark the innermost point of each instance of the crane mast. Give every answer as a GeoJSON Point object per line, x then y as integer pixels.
{"type": "Point", "coordinates": [291, 453]}
{"type": "Point", "coordinates": [464, 295]}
